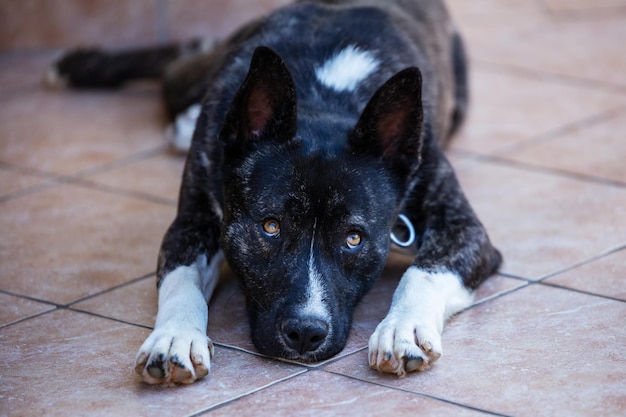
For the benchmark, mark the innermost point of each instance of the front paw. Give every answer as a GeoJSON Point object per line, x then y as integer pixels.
{"type": "Point", "coordinates": [174, 357]}
{"type": "Point", "coordinates": [399, 346]}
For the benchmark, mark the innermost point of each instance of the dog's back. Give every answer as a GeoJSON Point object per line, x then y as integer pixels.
{"type": "Point", "coordinates": [339, 53]}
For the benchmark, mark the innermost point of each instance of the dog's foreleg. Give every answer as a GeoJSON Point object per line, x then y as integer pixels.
{"type": "Point", "coordinates": [409, 338]}
{"type": "Point", "coordinates": [179, 350]}
{"type": "Point", "coordinates": [454, 257]}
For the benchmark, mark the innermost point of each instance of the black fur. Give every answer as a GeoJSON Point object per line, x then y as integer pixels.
{"type": "Point", "coordinates": [272, 143]}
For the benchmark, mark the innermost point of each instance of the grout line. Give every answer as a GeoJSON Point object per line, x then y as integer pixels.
{"type": "Point", "coordinates": [30, 171]}
{"type": "Point", "coordinates": [28, 297]}
{"type": "Point", "coordinates": [496, 296]}
{"type": "Point", "coordinates": [91, 313]}
{"type": "Point", "coordinates": [310, 366]}
{"type": "Point", "coordinates": [338, 358]}
{"type": "Point", "coordinates": [246, 394]}
{"type": "Point", "coordinates": [569, 80]}
{"type": "Point", "coordinates": [121, 191]}
{"type": "Point", "coordinates": [23, 319]}
{"type": "Point", "coordinates": [111, 289]}
{"type": "Point", "coordinates": [577, 15]}
{"type": "Point", "coordinates": [512, 276]}
{"type": "Point", "coordinates": [420, 394]}
{"type": "Point", "coordinates": [80, 178]}
{"type": "Point", "coordinates": [121, 162]}
{"type": "Point", "coordinates": [559, 132]}
{"type": "Point", "coordinates": [563, 287]}
{"type": "Point", "coordinates": [46, 184]}
{"type": "Point", "coordinates": [524, 166]}
{"type": "Point", "coordinates": [68, 306]}
{"type": "Point", "coordinates": [583, 262]}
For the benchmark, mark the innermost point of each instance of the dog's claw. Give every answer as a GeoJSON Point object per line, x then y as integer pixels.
{"type": "Point", "coordinates": [413, 364]}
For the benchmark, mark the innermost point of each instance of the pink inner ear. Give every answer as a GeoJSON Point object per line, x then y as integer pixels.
{"type": "Point", "coordinates": [259, 111]}
{"type": "Point", "coordinates": [391, 127]}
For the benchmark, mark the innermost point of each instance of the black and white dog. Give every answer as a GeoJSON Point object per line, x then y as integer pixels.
{"type": "Point", "coordinates": [314, 130]}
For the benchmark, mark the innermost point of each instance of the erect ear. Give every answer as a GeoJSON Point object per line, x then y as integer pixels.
{"type": "Point", "coordinates": [390, 127]}
{"type": "Point", "coordinates": [264, 107]}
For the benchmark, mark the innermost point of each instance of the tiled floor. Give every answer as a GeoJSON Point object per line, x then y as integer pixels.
{"type": "Point", "coordinates": [87, 188]}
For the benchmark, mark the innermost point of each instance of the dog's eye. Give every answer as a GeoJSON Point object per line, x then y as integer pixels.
{"type": "Point", "coordinates": [271, 227]}
{"type": "Point", "coordinates": [353, 240]}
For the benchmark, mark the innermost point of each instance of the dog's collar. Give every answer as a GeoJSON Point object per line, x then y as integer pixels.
{"type": "Point", "coordinates": [403, 221]}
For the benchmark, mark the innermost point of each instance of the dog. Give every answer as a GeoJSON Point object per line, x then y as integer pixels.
{"type": "Point", "coordinates": [311, 133]}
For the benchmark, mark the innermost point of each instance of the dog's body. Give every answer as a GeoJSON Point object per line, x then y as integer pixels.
{"type": "Point", "coordinates": [316, 131]}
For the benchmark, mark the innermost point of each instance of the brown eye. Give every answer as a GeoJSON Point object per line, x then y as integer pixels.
{"type": "Point", "coordinates": [271, 227]}
{"type": "Point", "coordinates": [353, 240]}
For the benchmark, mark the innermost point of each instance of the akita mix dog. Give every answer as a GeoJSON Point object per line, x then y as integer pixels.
{"type": "Point", "coordinates": [315, 130]}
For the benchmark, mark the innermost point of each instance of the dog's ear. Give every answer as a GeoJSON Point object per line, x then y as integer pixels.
{"type": "Point", "coordinates": [390, 127]}
{"type": "Point", "coordinates": [264, 107]}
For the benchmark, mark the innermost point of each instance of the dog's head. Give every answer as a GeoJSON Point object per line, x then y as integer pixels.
{"type": "Point", "coordinates": [306, 229]}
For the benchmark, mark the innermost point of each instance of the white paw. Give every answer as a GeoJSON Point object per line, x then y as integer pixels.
{"type": "Point", "coordinates": [174, 356]}
{"type": "Point", "coordinates": [53, 79]}
{"type": "Point", "coordinates": [400, 345]}
{"type": "Point", "coordinates": [180, 133]}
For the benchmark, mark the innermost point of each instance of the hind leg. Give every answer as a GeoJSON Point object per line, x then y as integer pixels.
{"type": "Point", "coordinates": [182, 68]}
{"type": "Point", "coordinates": [185, 82]}
{"type": "Point", "coordinates": [96, 68]}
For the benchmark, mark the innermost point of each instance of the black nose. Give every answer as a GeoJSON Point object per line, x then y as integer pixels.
{"type": "Point", "coordinates": [304, 335]}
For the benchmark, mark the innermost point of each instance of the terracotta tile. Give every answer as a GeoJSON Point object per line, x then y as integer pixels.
{"type": "Point", "coordinates": [133, 303]}
{"type": "Point", "coordinates": [587, 49]}
{"type": "Point", "coordinates": [159, 176]}
{"type": "Point", "coordinates": [69, 242]}
{"type": "Point", "coordinates": [597, 151]}
{"type": "Point", "coordinates": [496, 286]}
{"type": "Point", "coordinates": [16, 308]}
{"type": "Point", "coordinates": [538, 351]}
{"type": "Point", "coordinates": [63, 132]}
{"type": "Point", "coordinates": [544, 223]}
{"type": "Point", "coordinates": [59, 23]}
{"type": "Point", "coordinates": [604, 276]}
{"type": "Point", "coordinates": [37, 351]}
{"type": "Point", "coordinates": [220, 18]}
{"type": "Point", "coordinates": [324, 394]}
{"type": "Point", "coordinates": [506, 109]}
{"type": "Point", "coordinates": [482, 21]}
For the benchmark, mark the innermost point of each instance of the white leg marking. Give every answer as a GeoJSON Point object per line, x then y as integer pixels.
{"type": "Point", "coordinates": [409, 338]}
{"type": "Point", "coordinates": [53, 79]}
{"type": "Point", "coordinates": [344, 71]}
{"type": "Point", "coordinates": [180, 133]}
{"type": "Point", "coordinates": [178, 351]}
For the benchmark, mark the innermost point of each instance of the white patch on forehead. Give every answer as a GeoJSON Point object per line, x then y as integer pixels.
{"type": "Point", "coordinates": [345, 70]}
{"type": "Point", "coordinates": [315, 306]}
